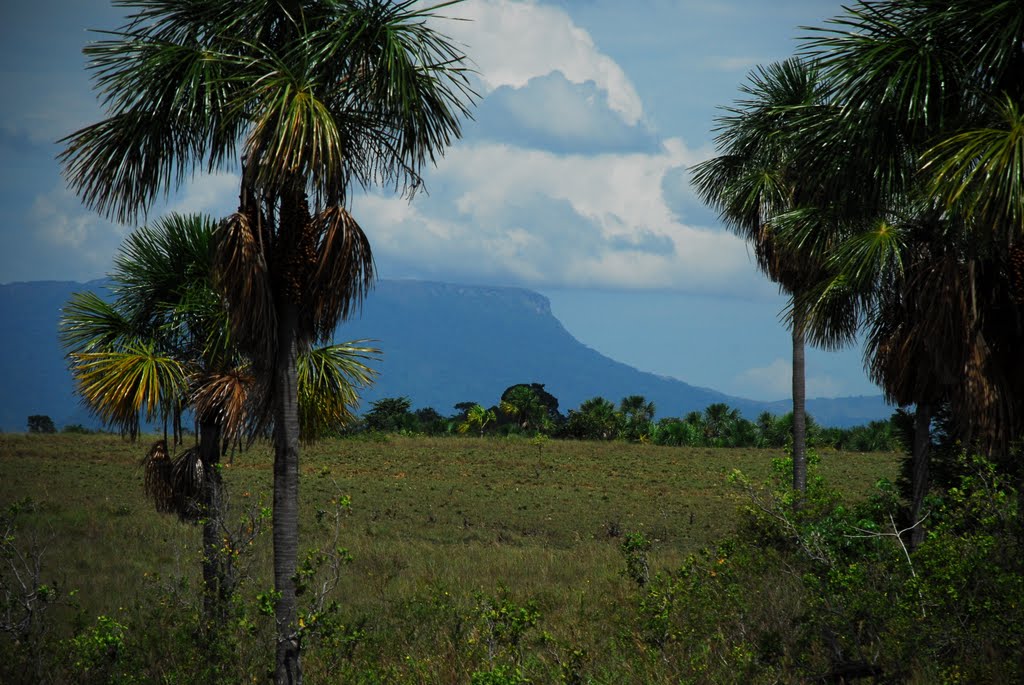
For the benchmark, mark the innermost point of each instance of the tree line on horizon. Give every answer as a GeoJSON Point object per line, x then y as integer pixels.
{"type": "Point", "coordinates": [526, 411]}
{"type": "Point", "coordinates": [529, 410]}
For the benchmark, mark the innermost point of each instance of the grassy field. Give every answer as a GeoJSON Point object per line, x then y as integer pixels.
{"type": "Point", "coordinates": [433, 522]}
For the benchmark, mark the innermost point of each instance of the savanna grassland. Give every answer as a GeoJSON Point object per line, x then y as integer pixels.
{"type": "Point", "coordinates": [468, 560]}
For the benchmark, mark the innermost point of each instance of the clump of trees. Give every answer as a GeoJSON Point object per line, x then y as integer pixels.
{"type": "Point", "coordinates": [41, 423]}
{"type": "Point", "coordinates": [528, 409]}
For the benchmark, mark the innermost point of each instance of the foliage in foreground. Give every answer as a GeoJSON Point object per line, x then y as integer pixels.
{"type": "Point", "coordinates": [824, 591]}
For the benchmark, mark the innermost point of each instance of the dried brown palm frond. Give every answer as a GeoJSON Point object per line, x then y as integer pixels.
{"type": "Point", "coordinates": [242, 278]}
{"type": "Point", "coordinates": [157, 484]}
{"type": "Point", "coordinates": [344, 271]}
{"type": "Point", "coordinates": [931, 342]}
{"type": "Point", "coordinates": [187, 481]}
{"type": "Point", "coordinates": [226, 396]}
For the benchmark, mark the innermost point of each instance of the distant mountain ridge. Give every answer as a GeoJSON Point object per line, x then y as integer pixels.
{"type": "Point", "coordinates": [442, 344]}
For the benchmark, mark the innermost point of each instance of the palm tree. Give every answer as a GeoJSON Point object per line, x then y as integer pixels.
{"type": "Point", "coordinates": [637, 417]}
{"type": "Point", "coordinates": [521, 403]}
{"type": "Point", "coordinates": [754, 181]}
{"type": "Point", "coordinates": [926, 158]}
{"type": "Point", "coordinates": [162, 347]}
{"type": "Point", "coordinates": [477, 418]}
{"type": "Point", "coordinates": [305, 97]}
{"type": "Point", "coordinates": [718, 420]}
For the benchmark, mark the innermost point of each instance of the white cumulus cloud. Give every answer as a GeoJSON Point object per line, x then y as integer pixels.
{"type": "Point", "coordinates": [512, 41]}
{"type": "Point", "coordinates": [544, 219]}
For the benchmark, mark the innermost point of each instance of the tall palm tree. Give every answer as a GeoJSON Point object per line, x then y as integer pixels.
{"type": "Point", "coordinates": [927, 150]}
{"type": "Point", "coordinates": [304, 97]}
{"type": "Point", "coordinates": [161, 347]}
{"type": "Point", "coordinates": [754, 181]}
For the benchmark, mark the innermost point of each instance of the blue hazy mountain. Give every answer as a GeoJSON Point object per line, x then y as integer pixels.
{"type": "Point", "coordinates": [442, 344]}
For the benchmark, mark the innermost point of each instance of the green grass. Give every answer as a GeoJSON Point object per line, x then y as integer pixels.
{"type": "Point", "coordinates": [432, 520]}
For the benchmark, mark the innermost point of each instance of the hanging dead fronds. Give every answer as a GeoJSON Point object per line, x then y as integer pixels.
{"type": "Point", "coordinates": [226, 396]}
{"type": "Point", "coordinates": [157, 484]}
{"type": "Point", "coordinates": [242, 277]}
{"type": "Point", "coordinates": [187, 482]}
{"type": "Point", "coordinates": [344, 271]}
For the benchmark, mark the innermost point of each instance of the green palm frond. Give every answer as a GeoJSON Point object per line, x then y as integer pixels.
{"type": "Point", "coordinates": [119, 386]}
{"type": "Point", "coordinates": [169, 102]}
{"type": "Point", "coordinates": [979, 173]}
{"type": "Point", "coordinates": [329, 381]}
{"type": "Point", "coordinates": [88, 323]}
{"type": "Point", "coordinates": [832, 312]}
{"type": "Point", "coordinates": [294, 133]}
{"type": "Point", "coordinates": [864, 257]}
{"type": "Point", "coordinates": [880, 55]}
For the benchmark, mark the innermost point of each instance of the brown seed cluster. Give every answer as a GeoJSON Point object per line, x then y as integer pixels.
{"type": "Point", "coordinates": [299, 253]}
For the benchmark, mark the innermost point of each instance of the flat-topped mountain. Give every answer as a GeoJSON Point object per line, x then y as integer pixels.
{"type": "Point", "coordinates": [442, 344]}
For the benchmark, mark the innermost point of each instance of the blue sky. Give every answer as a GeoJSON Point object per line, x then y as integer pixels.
{"type": "Point", "coordinates": [572, 180]}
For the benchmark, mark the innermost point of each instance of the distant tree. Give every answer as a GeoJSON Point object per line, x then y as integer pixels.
{"type": "Point", "coordinates": [540, 405]}
{"type": "Point", "coordinates": [522, 405]}
{"type": "Point", "coordinates": [781, 432]}
{"type": "Point", "coordinates": [463, 408]}
{"type": "Point", "coordinates": [596, 419]}
{"type": "Point", "coordinates": [390, 415]}
{"type": "Point", "coordinates": [41, 423]}
{"type": "Point", "coordinates": [718, 420]}
{"type": "Point", "coordinates": [430, 421]}
{"type": "Point", "coordinates": [740, 433]}
{"type": "Point", "coordinates": [637, 417]}
{"type": "Point", "coordinates": [477, 419]}
{"type": "Point", "coordinates": [675, 432]}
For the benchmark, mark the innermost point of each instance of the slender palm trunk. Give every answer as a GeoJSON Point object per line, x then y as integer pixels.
{"type": "Point", "coordinates": [919, 470]}
{"type": "Point", "coordinates": [216, 584]}
{"type": "Point", "coordinates": [799, 406]}
{"type": "Point", "coordinates": [288, 668]}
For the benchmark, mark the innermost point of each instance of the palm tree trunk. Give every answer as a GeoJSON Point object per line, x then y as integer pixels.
{"type": "Point", "coordinates": [799, 406]}
{"type": "Point", "coordinates": [288, 668]}
{"type": "Point", "coordinates": [216, 585]}
{"type": "Point", "coordinates": [919, 470]}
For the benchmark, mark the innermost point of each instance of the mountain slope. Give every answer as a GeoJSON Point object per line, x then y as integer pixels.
{"type": "Point", "coordinates": [442, 344]}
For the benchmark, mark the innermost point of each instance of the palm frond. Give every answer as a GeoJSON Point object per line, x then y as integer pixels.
{"type": "Point", "coordinates": [187, 483]}
{"type": "Point", "coordinates": [88, 323]}
{"type": "Point", "coordinates": [329, 381]}
{"type": "Point", "coordinates": [242, 276]}
{"type": "Point", "coordinates": [863, 257]}
{"type": "Point", "coordinates": [120, 386]}
{"type": "Point", "coordinates": [224, 395]}
{"type": "Point", "coordinates": [343, 274]}
{"type": "Point", "coordinates": [979, 173]}
{"type": "Point", "coordinates": [158, 482]}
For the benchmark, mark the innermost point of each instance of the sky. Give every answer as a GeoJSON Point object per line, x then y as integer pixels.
{"type": "Point", "coordinates": [572, 179]}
